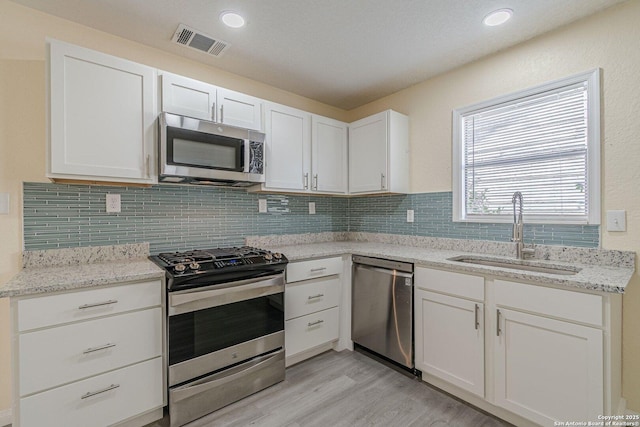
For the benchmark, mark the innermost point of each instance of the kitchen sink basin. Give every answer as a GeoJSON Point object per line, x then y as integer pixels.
{"type": "Point", "coordinates": [517, 265]}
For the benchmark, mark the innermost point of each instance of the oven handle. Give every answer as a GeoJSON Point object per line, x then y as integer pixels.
{"type": "Point", "coordinates": [214, 296]}
{"type": "Point", "coordinates": [232, 374]}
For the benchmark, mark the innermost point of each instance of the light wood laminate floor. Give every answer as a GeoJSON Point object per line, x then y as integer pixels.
{"type": "Point", "coordinates": [346, 389]}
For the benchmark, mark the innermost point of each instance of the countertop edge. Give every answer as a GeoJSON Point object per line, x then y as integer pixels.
{"type": "Point", "coordinates": [321, 250]}
{"type": "Point", "coordinates": [88, 276]}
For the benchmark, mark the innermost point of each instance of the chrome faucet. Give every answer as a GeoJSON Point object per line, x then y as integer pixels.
{"type": "Point", "coordinates": [518, 228]}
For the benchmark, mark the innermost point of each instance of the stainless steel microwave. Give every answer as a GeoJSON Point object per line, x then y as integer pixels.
{"type": "Point", "coordinates": [198, 151]}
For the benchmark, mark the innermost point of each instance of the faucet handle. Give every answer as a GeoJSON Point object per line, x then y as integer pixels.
{"type": "Point", "coordinates": [528, 252]}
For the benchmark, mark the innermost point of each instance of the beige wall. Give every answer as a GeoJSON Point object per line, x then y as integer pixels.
{"type": "Point", "coordinates": [609, 40]}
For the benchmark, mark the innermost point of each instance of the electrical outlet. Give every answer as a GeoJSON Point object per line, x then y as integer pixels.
{"type": "Point", "coordinates": [616, 221]}
{"type": "Point", "coordinates": [409, 215]}
{"type": "Point", "coordinates": [113, 203]}
{"type": "Point", "coordinates": [262, 205]}
{"type": "Point", "coordinates": [312, 208]}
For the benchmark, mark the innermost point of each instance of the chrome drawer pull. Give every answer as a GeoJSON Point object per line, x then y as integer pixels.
{"type": "Point", "coordinates": [98, 304]}
{"type": "Point", "coordinates": [317, 322]}
{"type": "Point", "coordinates": [498, 330]}
{"type": "Point", "coordinates": [477, 321]}
{"type": "Point", "coordinates": [104, 390]}
{"type": "Point", "coordinates": [315, 270]}
{"type": "Point", "coordinates": [102, 347]}
{"type": "Point", "coordinates": [315, 296]}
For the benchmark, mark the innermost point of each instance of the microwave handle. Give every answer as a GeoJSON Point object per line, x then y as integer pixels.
{"type": "Point", "coordinates": [247, 155]}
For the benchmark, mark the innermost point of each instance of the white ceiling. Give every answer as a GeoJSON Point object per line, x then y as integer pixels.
{"type": "Point", "coordinates": [344, 53]}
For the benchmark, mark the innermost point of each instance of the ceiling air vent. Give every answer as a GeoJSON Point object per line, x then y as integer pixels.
{"type": "Point", "coordinates": [195, 39]}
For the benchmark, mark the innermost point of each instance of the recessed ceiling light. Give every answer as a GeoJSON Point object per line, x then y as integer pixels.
{"type": "Point", "coordinates": [232, 19]}
{"type": "Point", "coordinates": [497, 17]}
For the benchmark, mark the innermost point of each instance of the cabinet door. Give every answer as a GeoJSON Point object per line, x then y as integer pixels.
{"type": "Point", "coordinates": [188, 97]}
{"type": "Point", "coordinates": [102, 116]}
{"type": "Point", "coordinates": [287, 146]}
{"type": "Point", "coordinates": [449, 339]}
{"type": "Point", "coordinates": [368, 154]}
{"type": "Point", "coordinates": [329, 155]}
{"type": "Point", "coordinates": [238, 109]}
{"type": "Point", "coordinates": [547, 370]}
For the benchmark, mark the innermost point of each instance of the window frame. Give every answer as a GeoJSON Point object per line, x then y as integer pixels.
{"type": "Point", "coordinates": [593, 217]}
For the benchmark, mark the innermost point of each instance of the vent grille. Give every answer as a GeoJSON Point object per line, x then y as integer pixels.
{"type": "Point", "coordinates": [197, 40]}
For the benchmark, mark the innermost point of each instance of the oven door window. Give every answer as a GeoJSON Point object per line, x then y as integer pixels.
{"type": "Point", "coordinates": [204, 331]}
{"type": "Point", "coordinates": [204, 150]}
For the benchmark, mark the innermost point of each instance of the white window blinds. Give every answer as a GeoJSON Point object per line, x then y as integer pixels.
{"type": "Point", "coordinates": [537, 144]}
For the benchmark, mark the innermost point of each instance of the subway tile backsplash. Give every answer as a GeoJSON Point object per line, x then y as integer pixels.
{"type": "Point", "coordinates": [172, 217]}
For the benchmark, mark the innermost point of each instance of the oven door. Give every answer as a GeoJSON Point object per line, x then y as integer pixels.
{"type": "Point", "coordinates": [214, 327]}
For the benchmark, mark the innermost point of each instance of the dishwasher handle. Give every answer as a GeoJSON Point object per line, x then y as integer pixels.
{"type": "Point", "coordinates": [386, 264]}
{"type": "Point", "coordinates": [384, 271]}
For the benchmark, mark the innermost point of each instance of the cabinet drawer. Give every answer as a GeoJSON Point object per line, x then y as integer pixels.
{"type": "Point", "coordinates": [81, 305]}
{"type": "Point", "coordinates": [462, 285]}
{"type": "Point", "coordinates": [310, 331]}
{"type": "Point", "coordinates": [574, 306]}
{"type": "Point", "coordinates": [309, 297]}
{"type": "Point", "coordinates": [304, 270]}
{"type": "Point", "coordinates": [55, 356]}
{"type": "Point", "coordinates": [97, 401]}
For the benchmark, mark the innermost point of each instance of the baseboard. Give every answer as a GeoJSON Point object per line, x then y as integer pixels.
{"type": "Point", "coordinates": [5, 417]}
{"type": "Point", "coordinates": [623, 410]}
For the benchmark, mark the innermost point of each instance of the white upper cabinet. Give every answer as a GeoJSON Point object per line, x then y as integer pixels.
{"type": "Point", "coordinates": [379, 154]}
{"type": "Point", "coordinates": [328, 155]}
{"type": "Point", "coordinates": [102, 117]}
{"type": "Point", "coordinates": [288, 146]}
{"type": "Point", "coordinates": [193, 98]}
{"type": "Point", "coordinates": [238, 109]}
{"type": "Point", "coordinates": [188, 97]}
{"type": "Point", "coordinates": [305, 152]}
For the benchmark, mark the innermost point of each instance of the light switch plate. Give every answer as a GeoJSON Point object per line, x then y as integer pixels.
{"type": "Point", "coordinates": [262, 205]}
{"type": "Point", "coordinates": [312, 208]}
{"type": "Point", "coordinates": [4, 203]}
{"type": "Point", "coordinates": [113, 203]}
{"type": "Point", "coordinates": [409, 215]}
{"type": "Point", "coordinates": [616, 221]}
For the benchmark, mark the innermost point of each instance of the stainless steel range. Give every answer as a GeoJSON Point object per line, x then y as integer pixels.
{"type": "Point", "coordinates": [225, 311]}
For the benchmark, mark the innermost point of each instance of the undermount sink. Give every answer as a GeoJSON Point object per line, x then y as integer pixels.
{"type": "Point", "coordinates": [517, 265]}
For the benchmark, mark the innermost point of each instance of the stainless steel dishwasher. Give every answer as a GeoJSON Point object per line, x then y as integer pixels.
{"type": "Point", "coordinates": [382, 308]}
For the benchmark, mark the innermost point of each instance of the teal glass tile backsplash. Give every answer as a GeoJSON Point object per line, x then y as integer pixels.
{"type": "Point", "coordinates": [169, 217]}
{"type": "Point", "coordinates": [433, 213]}
{"type": "Point", "coordinates": [172, 217]}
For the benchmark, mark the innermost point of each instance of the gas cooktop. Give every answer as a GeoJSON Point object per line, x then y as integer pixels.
{"type": "Point", "coordinates": [202, 266]}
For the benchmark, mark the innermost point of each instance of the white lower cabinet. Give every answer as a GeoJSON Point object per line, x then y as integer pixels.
{"type": "Point", "coordinates": [451, 339]}
{"type": "Point", "coordinates": [306, 332]}
{"type": "Point", "coordinates": [98, 401]}
{"type": "Point", "coordinates": [312, 314]}
{"type": "Point", "coordinates": [551, 354]}
{"type": "Point", "coordinates": [548, 370]}
{"type": "Point", "coordinates": [91, 357]}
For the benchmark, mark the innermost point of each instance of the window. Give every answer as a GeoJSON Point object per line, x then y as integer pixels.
{"type": "Point", "coordinates": [543, 142]}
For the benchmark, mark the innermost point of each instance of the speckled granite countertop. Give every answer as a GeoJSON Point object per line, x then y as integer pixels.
{"type": "Point", "coordinates": [49, 271]}
{"type": "Point", "coordinates": [593, 277]}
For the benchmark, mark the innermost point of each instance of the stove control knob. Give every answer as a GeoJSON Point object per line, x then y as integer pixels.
{"type": "Point", "coordinates": [268, 257]}
{"type": "Point", "coordinates": [194, 266]}
{"type": "Point", "coordinates": [277, 255]}
{"type": "Point", "coordinates": [179, 268]}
